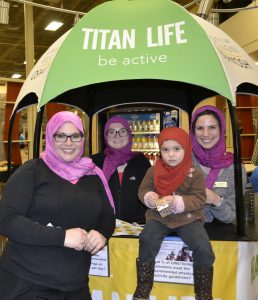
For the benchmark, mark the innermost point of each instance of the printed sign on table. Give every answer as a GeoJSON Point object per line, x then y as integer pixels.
{"type": "Point", "coordinates": [174, 262]}
{"type": "Point", "coordinates": [100, 263]}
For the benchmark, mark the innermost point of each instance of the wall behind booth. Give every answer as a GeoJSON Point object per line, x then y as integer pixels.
{"type": "Point", "coordinates": [12, 91]}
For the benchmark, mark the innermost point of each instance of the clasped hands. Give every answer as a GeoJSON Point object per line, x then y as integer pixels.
{"type": "Point", "coordinates": [79, 239]}
{"type": "Point", "coordinates": [150, 199]}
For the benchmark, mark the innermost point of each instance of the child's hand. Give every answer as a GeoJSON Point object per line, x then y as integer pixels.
{"type": "Point", "coordinates": [150, 199]}
{"type": "Point", "coordinates": [169, 199]}
{"type": "Point", "coordinates": [176, 204]}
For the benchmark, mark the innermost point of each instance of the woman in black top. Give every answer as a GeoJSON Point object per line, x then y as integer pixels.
{"type": "Point", "coordinates": [123, 169]}
{"type": "Point", "coordinates": [56, 212]}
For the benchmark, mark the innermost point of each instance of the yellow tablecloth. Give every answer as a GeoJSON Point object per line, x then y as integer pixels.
{"type": "Point", "coordinates": [235, 273]}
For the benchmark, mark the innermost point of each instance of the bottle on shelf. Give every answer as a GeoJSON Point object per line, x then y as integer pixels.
{"type": "Point", "coordinates": [144, 142]}
{"type": "Point", "coordinates": [139, 126]}
{"type": "Point", "coordinates": [144, 126]}
{"type": "Point", "coordinates": [156, 125]}
{"type": "Point", "coordinates": [150, 125]}
{"type": "Point", "coordinates": [155, 142]}
{"type": "Point", "coordinates": [134, 126]}
{"type": "Point", "coordinates": [153, 125]}
{"type": "Point", "coordinates": [150, 142]}
{"type": "Point", "coordinates": [139, 142]}
{"type": "Point", "coordinates": [134, 143]}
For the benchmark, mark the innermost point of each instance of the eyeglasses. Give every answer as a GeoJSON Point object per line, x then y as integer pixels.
{"type": "Point", "coordinates": [113, 133]}
{"type": "Point", "coordinates": [61, 137]}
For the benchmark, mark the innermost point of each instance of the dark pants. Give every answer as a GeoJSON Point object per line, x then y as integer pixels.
{"type": "Point", "coordinates": [15, 288]}
{"type": "Point", "coordinates": [194, 235]}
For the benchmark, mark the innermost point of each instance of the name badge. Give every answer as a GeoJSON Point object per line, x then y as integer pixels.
{"type": "Point", "coordinates": [221, 184]}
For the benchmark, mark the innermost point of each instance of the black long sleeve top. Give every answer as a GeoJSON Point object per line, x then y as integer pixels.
{"type": "Point", "coordinates": [36, 209]}
{"type": "Point", "coordinates": [128, 206]}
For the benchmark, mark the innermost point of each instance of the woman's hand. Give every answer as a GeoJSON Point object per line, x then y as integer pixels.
{"type": "Point", "coordinates": [150, 199]}
{"type": "Point", "coordinates": [212, 198]}
{"type": "Point", "coordinates": [75, 238]}
{"type": "Point", "coordinates": [95, 242]}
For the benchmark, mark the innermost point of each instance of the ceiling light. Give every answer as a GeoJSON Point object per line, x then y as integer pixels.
{"type": "Point", "coordinates": [16, 76]}
{"type": "Point", "coordinates": [54, 25]}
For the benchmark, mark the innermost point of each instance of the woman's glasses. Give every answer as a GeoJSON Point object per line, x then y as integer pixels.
{"type": "Point", "coordinates": [61, 137]}
{"type": "Point", "coordinates": [113, 133]}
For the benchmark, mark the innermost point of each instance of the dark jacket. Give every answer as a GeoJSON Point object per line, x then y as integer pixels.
{"type": "Point", "coordinates": [128, 206]}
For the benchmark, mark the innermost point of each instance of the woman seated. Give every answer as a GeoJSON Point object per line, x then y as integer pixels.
{"type": "Point", "coordinates": [123, 169]}
{"type": "Point", "coordinates": [207, 133]}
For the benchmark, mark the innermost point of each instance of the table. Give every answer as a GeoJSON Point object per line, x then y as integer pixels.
{"type": "Point", "coordinates": [235, 273]}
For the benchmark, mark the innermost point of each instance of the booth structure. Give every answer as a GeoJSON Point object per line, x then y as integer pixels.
{"type": "Point", "coordinates": [126, 53]}
{"type": "Point", "coordinates": [151, 52]}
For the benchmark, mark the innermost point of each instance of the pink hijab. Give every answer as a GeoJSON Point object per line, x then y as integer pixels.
{"type": "Point", "coordinates": [80, 166]}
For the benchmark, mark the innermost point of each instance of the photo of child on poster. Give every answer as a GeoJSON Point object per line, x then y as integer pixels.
{"type": "Point", "coordinates": [171, 118]}
{"type": "Point", "coordinates": [183, 255]}
{"type": "Point", "coordinates": [174, 262]}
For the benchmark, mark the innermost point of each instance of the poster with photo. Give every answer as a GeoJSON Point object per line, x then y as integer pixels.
{"type": "Point", "coordinates": [174, 262]}
{"type": "Point", "coordinates": [171, 118]}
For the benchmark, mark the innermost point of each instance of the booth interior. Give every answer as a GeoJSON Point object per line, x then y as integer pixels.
{"type": "Point", "coordinates": [151, 100]}
{"type": "Point", "coordinates": [147, 99]}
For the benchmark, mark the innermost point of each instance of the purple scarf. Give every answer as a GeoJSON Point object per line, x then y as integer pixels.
{"type": "Point", "coordinates": [216, 158]}
{"type": "Point", "coordinates": [80, 166]}
{"type": "Point", "coordinates": [116, 157]}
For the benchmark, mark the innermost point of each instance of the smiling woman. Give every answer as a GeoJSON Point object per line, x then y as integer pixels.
{"type": "Point", "coordinates": [60, 206]}
{"type": "Point", "coordinates": [209, 148]}
{"type": "Point", "coordinates": [123, 169]}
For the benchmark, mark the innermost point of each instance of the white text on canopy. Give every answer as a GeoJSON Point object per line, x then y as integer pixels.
{"type": "Point", "coordinates": [105, 39]}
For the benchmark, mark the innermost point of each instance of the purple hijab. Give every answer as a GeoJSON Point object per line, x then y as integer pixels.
{"type": "Point", "coordinates": [80, 166]}
{"type": "Point", "coordinates": [215, 158]}
{"type": "Point", "coordinates": [116, 157]}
